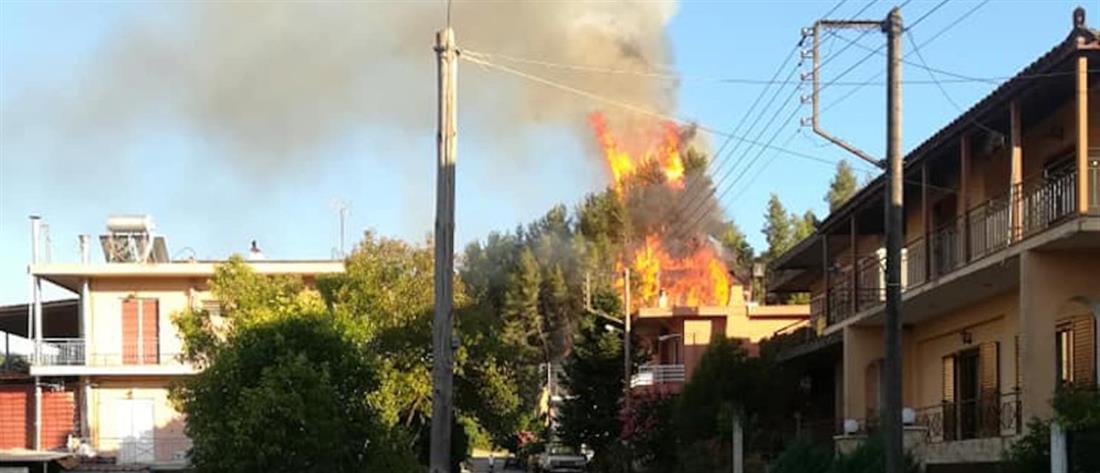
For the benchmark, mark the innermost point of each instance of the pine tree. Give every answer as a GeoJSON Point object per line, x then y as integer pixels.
{"type": "Point", "coordinates": [843, 186]}
{"type": "Point", "coordinates": [777, 230]}
{"type": "Point", "coordinates": [734, 241]}
{"type": "Point", "coordinates": [804, 226]}
{"type": "Point", "coordinates": [522, 322]}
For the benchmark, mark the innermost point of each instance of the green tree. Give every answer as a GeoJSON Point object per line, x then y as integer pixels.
{"type": "Point", "coordinates": [734, 241]}
{"type": "Point", "coordinates": [523, 325]}
{"type": "Point", "coordinates": [804, 226]}
{"type": "Point", "coordinates": [778, 231]}
{"type": "Point", "coordinates": [287, 395]}
{"type": "Point", "coordinates": [594, 379]}
{"type": "Point", "coordinates": [843, 186]}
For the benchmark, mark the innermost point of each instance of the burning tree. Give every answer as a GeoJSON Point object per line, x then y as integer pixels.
{"type": "Point", "coordinates": [659, 176]}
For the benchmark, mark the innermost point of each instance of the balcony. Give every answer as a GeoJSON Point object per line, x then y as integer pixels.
{"type": "Point", "coordinates": [69, 356]}
{"type": "Point", "coordinates": [988, 417]}
{"type": "Point", "coordinates": [657, 375]}
{"type": "Point", "coordinates": [1026, 210]}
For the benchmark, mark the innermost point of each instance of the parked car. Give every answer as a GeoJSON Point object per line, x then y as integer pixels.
{"type": "Point", "coordinates": [562, 459]}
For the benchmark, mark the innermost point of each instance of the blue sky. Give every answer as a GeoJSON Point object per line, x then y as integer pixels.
{"type": "Point", "coordinates": [203, 203]}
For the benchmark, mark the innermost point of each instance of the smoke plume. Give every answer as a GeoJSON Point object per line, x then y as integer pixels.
{"type": "Point", "coordinates": [267, 82]}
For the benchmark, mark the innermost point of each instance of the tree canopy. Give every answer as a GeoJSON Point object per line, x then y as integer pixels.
{"type": "Point", "coordinates": [843, 186]}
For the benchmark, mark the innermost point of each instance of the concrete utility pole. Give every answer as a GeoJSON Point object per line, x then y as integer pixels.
{"type": "Point", "coordinates": [442, 342]}
{"type": "Point", "coordinates": [892, 26]}
{"type": "Point", "coordinates": [895, 456]}
{"type": "Point", "coordinates": [626, 339]}
{"type": "Point", "coordinates": [626, 356]}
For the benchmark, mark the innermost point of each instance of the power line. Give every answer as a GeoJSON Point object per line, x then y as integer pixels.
{"type": "Point", "coordinates": [939, 33]}
{"type": "Point", "coordinates": [943, 91]}
{"type": "Point", "coordinates": [956, 78]}
{"type": "Point", "coordinates": [696, 204]}
{"type": "Point", "coordinates": [630, 107]}
{"type": "Point", "coordinates": [760, 170]}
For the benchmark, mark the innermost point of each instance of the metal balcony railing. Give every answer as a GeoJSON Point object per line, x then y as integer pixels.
{"type": "Point", "coordinates": [983, 417]}
{"type": "Point", "coordinates": [73, 352]}
{"type": "Point", "coordinates": [1025, 210]}
{"type": "Point", "coordinates": [650, 375]}
{"type": "Point", "coordinates": [61, 352]}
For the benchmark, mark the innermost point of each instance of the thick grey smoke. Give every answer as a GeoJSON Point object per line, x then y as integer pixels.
{"type": "Point", "coordinates": [266, 82]}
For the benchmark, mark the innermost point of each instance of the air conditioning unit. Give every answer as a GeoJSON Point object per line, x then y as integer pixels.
{"type": "Point", "coordinates": [881, 255]}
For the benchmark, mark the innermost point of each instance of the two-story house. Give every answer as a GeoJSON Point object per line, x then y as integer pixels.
{"type": "Point", "coordinates": [1000, 270]}
{"type": "Point", "coordinates": [676, 336]}
{"type": "Point", "coordinates": [105, 383]}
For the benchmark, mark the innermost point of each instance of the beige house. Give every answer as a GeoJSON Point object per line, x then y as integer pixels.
{"type": "Point", "coordinates": [118, 367]}
{"type": "Point", "coordinates": [677, 336]}
{"type": "Point", "coordinates": [1000, 271]}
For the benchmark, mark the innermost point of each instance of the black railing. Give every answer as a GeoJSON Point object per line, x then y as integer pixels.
{"type": "Point", "coordinates": [1027, 209]}
{"type": "Point", "coordinates": [1093, 180]}
{"type": "Point", "coordinates": [989, 417]}
{"type": "Point", "coordinates": [916, 263]}
{"type": "Point", "coordinates": [947, 249]}
{"type": "Point", "coordinates": [1045, 201]}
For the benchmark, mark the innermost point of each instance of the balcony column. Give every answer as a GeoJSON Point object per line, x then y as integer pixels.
{"type": "Point", "coordinates": [964, 195]}
{"type": "Point", "coordinates": [825, 267]}
{"type": "Point", "coordinates": [1016, 173]}
{"type": "Point", "coordinates": [853, 241]}
{"type": "Point", "coordinates": [1083, 134]}
{"type": "Point", "coordinates": [86, 318]}
{"type": "Point", "coordinates": [925, 221]}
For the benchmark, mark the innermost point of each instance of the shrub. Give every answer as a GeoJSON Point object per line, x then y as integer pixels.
{"type": "Point", "coordinates": [1031, 452]}
{"type": "Point", "coordinates": [803, 457]}
{"type": "Point", "coordinates": [869, 457]}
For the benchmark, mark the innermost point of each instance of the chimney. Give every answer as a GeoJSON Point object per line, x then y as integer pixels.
{"type": "Point", "coordinates": [85, 249]}
{"type": "Point", "coordinates": [36, 230]}
{"type": "Point", "coordinates": [254, 253]}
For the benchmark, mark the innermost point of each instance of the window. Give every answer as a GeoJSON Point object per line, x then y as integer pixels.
{"type": "Point", "coordinates": [1063, 349]}
{"type": "Point", "coordinates": [1075, 349]}
{"type": "Point", "coordinates": [140, 343]}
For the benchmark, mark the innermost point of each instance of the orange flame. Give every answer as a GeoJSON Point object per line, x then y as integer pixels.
{"type": "Point", "coordinates": [665, 152]}
{"type": "Point", "coordinates": [700, 277]}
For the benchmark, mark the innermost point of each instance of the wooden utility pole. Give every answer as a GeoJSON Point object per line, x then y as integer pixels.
{"type": "Point", "coordinates": [891, 411]}
{"type": "Point", "coordinates": [442, 342]}
{"type": "Point", "coordinates": [892, 423]}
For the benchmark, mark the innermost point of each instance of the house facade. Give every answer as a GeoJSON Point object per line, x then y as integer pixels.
{"type": "Point", "coordinates": [1000, 268]}
{"type": "Point", "coordinates": [676, 336]}
{"type": "Point", "coordinates": [102, 386]}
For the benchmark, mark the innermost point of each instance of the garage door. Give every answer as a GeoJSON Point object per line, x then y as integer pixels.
{"type": "Point", "coordinates": [58, 418]}
{"type": "Point", "coordinates": [15, 415]}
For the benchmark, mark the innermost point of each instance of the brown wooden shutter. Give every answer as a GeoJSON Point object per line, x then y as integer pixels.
{"type": "Point", "coordinates": [149, 330]}
{"type": "Point", "coordinates": [1084, 346]}
{"type": "Point", "coordinates": [949, 410]}
{"type": "Point", "coordinates": [1018, 360]}
{"type": "Point", "coordinates": [989, 397]}
{"type": "Point", "coordinates": [129, 331]}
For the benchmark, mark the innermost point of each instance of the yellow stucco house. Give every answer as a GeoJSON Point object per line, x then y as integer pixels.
{"type": "Point", "coordinates": [1000, 271]}
{"type": "Point", "coordinates": [121, 357]}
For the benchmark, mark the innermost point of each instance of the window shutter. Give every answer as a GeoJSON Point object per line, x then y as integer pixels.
{"type": "Point", "coordinates": [949, 378]}
{"type": "Point", "coordinates": [1084, 346]}
{"type": "Point", "coordinates": [1017, 360]}
{"type": "Point", "coordinates": [129, 331]}
{"type": "Point", "coordinates": [989, 398]}
{"type": "Point", "coordinates": [949, 397]}
{"type": "Point", "coordinates": [149, 330]}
